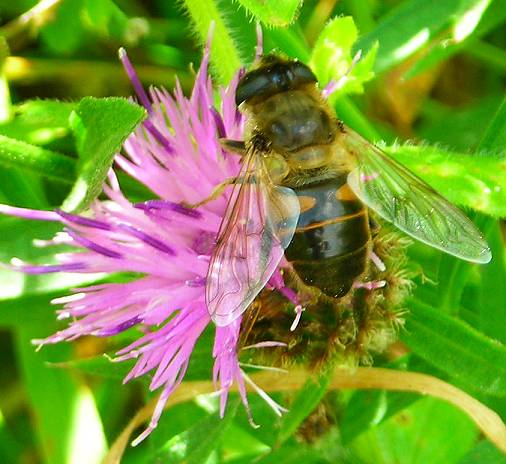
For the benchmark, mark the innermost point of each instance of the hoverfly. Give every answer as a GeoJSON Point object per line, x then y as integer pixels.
{"type": "Point", "coordinates": [303, 193]}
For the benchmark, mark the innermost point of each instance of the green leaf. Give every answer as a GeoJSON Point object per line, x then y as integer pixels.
{"type": "Point", "coordinates": [241, 443]}
{"type": "Point", "coordinates": [10, 448]}
{"type": "Point", "coordinates": [492, 292]}
{"type": "Point", "coordinates": [101, 366]}
{"type": "Point", "coordinates": [489, 54]}
{"type": "Point", "coordinates": [200, 367]}
{"type": "Point", "coordinates": [454, 273]}
{"type": "Point", "coordinates": [39, 122]}
{"type": "Point", "coordinates": [348, 112]}
{"type": "Point", "coordinates": [64, 34]}
{"type": "Point", "coordinates": [52, 395]}
{"type": "Point", "coordinates": [476, 182]}
{"type": "Point", "coordinates": [105, 18]}
{"type": "Point", "coordinates": [16, 240]}
{"type": "Point", "coordinates": [478, 19]}
{"type": "Point", "coordinates": [290, 40]}
{"type": "Point", "coordinates": [50, 164]}
{"type": "Point", "coordinates": [14, 312]}
{"type": "Point", "coordinates": [412, 26]}
{"type": "Point", "coordinates": [264, 416]}
{"type": "Point", "coordinates": [363, 12]}
{"type": "Point", "coordinates": [484, 453]}
{"type": "Point", "coordinates": [273, 12]}
{"type": "Point", "coordinates": [22, 188]}
{"type": "Point", "coordinates": [292, 454]}
{"type": "Point", "coordinates": [60, 405]}
{"type": "Point", "coordinates": [495, 136]}
{"type": "Point", "coordinates": [429, 431]}
{"type": "Point", "coordinates": [197, 443]}
{"type": "Point", "coordinates": [332, 57]}
{"type": "Point", "coordinates": [100, 127]}
{"type": "Point", "coordinates": [47, 388]}
{"type": "Point", "coordinates": [369, 408]}
{"type": "Point", "coordinates": [179, 419]}
{"type": "Point", "coordinates": [456, 348]}
{"type": "Point", "coordinates": [304, 403]}
{"type": "Point", "coordinates": [113, 398]}
{"type": "Point", "coordinates": [458, 128]}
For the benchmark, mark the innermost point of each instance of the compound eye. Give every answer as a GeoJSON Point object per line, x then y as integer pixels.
{"type": "Point", "coordinates": [302, 74]}
{"type": "Point", "coordinates": [251, 85]}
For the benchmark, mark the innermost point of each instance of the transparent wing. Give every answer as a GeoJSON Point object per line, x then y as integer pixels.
{"type": "Point", "coordinates": [403, 199]}
{"type": "Point", "coordinates": [258, 225]}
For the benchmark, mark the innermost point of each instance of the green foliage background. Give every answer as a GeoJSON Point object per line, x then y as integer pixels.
{"type": "Point", "coordinates": [433, 72]}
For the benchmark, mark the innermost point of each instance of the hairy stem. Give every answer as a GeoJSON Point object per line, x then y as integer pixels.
{"type": "Point", "coordinates": [224, 54]}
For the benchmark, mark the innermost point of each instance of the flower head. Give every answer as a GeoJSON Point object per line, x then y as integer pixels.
{"type": "Point", "coordinates": [176, 153]}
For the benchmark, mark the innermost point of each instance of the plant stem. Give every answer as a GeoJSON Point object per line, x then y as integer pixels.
{"type": "Point", "coordinates": [362, 377]}
{"type": "Point", "coordinates": [224, 54]}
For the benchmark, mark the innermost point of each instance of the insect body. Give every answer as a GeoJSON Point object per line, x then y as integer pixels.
{"type": "Point", "coordinates": [330, 246]}
{"type": "Point", "coordinates": [304, 191]}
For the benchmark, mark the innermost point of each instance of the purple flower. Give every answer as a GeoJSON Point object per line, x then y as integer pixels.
{"type": "Point", "coordinates": [177, 155]}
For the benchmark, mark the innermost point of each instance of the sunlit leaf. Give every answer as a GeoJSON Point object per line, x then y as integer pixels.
{"type": "Point", "coordinates": [476, 182]}
{"type": "Point", "coordinates": [100, 127]}
{"type": "Point", "coordinates": [479, 19]}
{"type": "Point", "coordinates": [39, 122]}
{"type": "Point", "coordinates": [412, 26]}
{"type": "Point", "coordinates": [332, 57]}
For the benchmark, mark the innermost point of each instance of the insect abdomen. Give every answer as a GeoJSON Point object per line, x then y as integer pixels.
{"type": "Point", "coordinates": [330, 245]}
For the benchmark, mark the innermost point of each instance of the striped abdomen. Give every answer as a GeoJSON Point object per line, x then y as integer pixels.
{"type": "Point", "coordinates": [329, 248]}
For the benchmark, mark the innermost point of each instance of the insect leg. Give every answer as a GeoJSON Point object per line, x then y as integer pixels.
{"type": "Point", "coordinates": [216, 192]}
{"type": "Point", "coordinates": [234, 146]}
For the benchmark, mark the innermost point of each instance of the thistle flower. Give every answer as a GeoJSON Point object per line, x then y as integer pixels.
{"type": "Point", "coordinates": [175, 153]}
